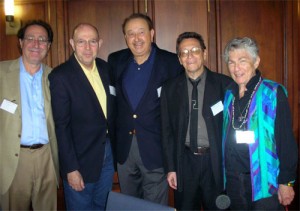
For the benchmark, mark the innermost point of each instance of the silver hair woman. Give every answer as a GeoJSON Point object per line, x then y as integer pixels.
{"type": "Point", "coordinates": [254, 141]}
{"type": "Point", "coordinates": [242, 43]}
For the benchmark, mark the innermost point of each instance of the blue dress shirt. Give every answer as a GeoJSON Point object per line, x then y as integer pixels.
{"type": "Point", "coordinates": [136, 79]}
{"type": "Point", "coordinates": [34, 126]}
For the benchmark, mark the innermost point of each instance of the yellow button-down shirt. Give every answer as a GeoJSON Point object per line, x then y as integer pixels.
{"type": "Point", "coordinates": [96, 82]}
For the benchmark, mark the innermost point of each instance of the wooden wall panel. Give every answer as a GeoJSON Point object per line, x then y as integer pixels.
{"type": "Point", "coordinates": [58, 21]}
{"type": "Point", "coordinates": [106, 15]}
{"type": "Point", "coordinates": [292, 62]}
{"type": "Point", "coordinates": [261, 20]}
{"type": "Point", "coordinates": [173, 17]}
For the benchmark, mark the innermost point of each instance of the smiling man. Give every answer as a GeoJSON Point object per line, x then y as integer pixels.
{"type": "Point", "coordinates": [27, 137]}
{"type": "Point", "coordinates": [191, 126]}
{"type": "Point", "coordinates": [83, 110]}
{"type": "Point", "coordinates": [139, 72]}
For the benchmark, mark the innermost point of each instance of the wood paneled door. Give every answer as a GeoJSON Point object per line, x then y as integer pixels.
{"type": "Point", "coordinates": [274, 24]}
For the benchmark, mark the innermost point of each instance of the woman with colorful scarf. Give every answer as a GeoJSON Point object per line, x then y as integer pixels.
{"type": "Point", "coordinates": [259, 149]}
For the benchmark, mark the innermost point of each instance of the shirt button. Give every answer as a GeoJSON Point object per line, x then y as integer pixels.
{"type": "Point", "coordinates": [16, 154]}
{"type": "Point", "coordinates": [134, 116]}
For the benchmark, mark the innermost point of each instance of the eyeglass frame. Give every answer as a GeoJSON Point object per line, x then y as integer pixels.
{"type": "Point", "coordinates": [83, 43]}
{"type": "Point", "coordinates": [41, 40]}
{"type": "Point", "coordinates": [195, 51]}
{"type": "Point", "coordinates": [140, 33]}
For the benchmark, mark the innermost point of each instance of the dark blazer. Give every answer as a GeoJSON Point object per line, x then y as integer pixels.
{"type": "Point", "coordinates": [80, 123]}
{"type": "Point", "coordinates": [175, 117]}
{"type": "Point", "coordinates": [145, 121]}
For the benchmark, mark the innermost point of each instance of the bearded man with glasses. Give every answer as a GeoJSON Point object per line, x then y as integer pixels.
{"type": "Point", "coordinates": [191, 112]}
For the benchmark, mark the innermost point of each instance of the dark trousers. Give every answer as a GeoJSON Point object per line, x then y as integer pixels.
{"type": "Point", "coordinates": [199, 188]}
{"type": "Point", "coordinates": [135, 180]}
{"type": "Point", "coordinates": [239, 190]}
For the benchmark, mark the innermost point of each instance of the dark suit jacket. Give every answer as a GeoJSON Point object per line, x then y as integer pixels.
{"type": "Point", "coordinates": [145, 120]}
{"type": "Point", "coordinates": [175, 117]}
{"type": "Point", "coordinates": [80, 123]}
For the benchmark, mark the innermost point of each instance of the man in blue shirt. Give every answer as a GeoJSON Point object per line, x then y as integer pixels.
{"type": "Point", "coordinates": [139, 72]}
{"type": "Point", "coordinates": [27, 138]}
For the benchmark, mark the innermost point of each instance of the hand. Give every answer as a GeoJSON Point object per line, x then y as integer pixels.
{"type": "Point", "coordinates": [285, 194]}
{"type": "Point", "coordinates": [172, 180]}
{"type": "Point", "coordinates": [75, 180]}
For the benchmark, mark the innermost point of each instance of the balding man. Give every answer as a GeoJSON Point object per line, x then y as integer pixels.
{"type": "Point", "coordinates": [82, 100]}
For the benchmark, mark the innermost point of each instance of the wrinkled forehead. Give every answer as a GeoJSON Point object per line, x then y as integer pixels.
{"type": "Point", "coordinates": [36, 30]}
{"type": "Point", "coordinates": [83, 31]}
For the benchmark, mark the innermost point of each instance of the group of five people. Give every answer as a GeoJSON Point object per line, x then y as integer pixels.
{"type": "Point", "coordinates": [162, 120]}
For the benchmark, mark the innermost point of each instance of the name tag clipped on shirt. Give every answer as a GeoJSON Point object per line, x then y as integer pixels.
{"type": "Point", "coordinates": [8, 106]}
{"type": "Point", "coordinates": [112, 90]}
{"type": "Point", "coordinates": [158, 92]}
{"type": "Point", "coordinates": [244, 137]}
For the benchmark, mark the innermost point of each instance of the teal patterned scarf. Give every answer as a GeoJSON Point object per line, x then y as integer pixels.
{"type": "Point", "coordinates": [264, 162]}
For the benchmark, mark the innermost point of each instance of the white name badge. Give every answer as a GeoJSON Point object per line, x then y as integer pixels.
{"type": "Point", "coordinates": [217, 108]}
{"type": "Point", "coordinates": [244, 137]}
{"type": "Point", "coordinates": [8, 106]}
{"type": "Point", "coordinates": [158, 92]}
{"type": "Point", "coordinates": [112, 90]}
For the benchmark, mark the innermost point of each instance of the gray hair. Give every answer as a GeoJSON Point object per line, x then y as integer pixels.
{"type": "Point", "coordinates": [241, 43]}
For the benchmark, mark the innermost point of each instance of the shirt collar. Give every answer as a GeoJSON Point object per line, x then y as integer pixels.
{"type": "Point", "coordinates": [200, 77]}
{"type": "Point", "coordinates": [23, 69]}
{"type": "Point", "coordinates": [84, 68]}
{"type": "Point", "coordinates": [250, 85]}
{"type": "Point", "coordinates": [151, 56]}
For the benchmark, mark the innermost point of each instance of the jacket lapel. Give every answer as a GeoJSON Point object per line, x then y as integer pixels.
{"type": "Point", "coordinates": [13, 81]}
{"type": "Point", "coordinates": [182, 96]}
{"type": "Point", "coordinates": [83, 81]}
{"type": "Point", "coordinates": [120, 74]}
{"type": "Point", "coordinates": [105, 81]}
{"type": "Point", "coordinates": [46, 91]}
{"type": "Point", "coordinates": [155, 77]}
{"type": "Point", "coordinates": [210, 95]}
{"type": "Point", "coordinates": [183, 106]}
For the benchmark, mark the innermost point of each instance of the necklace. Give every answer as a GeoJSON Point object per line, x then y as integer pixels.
{"type": "Point", "coordinates": [242, 118]}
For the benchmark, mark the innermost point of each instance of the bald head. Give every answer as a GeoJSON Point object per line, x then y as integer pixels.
{"type": "Point", "coordinates": [84, 26]}
{"type": "Point", "coordinates": [86, 44]}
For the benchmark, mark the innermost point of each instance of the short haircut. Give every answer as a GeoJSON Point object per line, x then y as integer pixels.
{"type": "Point", "coordinates": [188, 35]}
{"type": "Point", "coordinates": [45, 25]}
{"type": "Point", "coordinates": [241, 43]}
{"type": "Point", "coordinates": [137, 16]}
{"type": "Point", "coordinates": [84, 24]}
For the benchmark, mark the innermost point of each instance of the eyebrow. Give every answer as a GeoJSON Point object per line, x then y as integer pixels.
{"type": "Point", "coordinates": [135, 30]}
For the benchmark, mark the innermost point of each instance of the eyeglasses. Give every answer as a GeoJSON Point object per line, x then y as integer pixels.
{"type": "Point", "coordinates": [83, 43]}
{"type": "Point", "coordinates": [195, 51]}
{"type": "Point", "coordinates": [41, 40]}
{"type": "Point", "coordinates": [132, 34]}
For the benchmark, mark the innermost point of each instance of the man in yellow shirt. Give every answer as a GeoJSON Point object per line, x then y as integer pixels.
{"type": "Point", "coordinates": [83, 102]}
